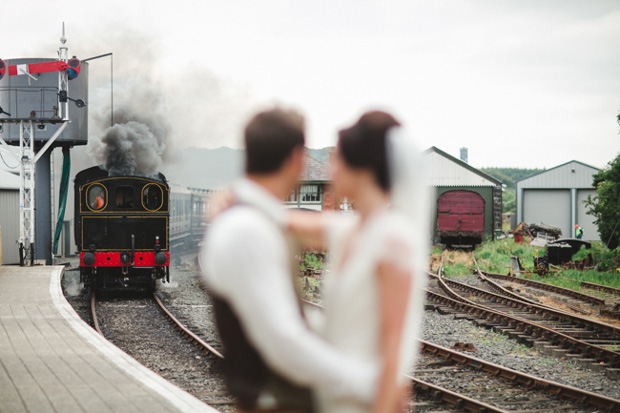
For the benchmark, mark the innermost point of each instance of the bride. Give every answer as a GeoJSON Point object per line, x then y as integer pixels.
{"type": "Point", "coordinates": [373, 291]}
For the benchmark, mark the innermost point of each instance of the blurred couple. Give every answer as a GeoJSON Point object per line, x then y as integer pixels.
{"type": "Point", "coordinates": [352, 356]}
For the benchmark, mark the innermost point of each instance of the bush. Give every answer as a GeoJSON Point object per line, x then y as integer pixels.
{"type": "Point", "coordinates": [610, 260]}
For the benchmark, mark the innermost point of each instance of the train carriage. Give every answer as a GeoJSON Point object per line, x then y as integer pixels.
{"type": "Point", "coordinates": [122, 229]}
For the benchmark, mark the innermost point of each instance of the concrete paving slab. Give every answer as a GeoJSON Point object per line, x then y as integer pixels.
{"type": "Point", "coordinates": [51, 361]}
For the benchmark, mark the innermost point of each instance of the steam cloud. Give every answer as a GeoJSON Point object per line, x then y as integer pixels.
{"type": "Point", "coordinates": [137, 142]}
{"type": "Point", "coordinates": [205, 110]}
{"type": "Point", "coordinates": [132, 149]}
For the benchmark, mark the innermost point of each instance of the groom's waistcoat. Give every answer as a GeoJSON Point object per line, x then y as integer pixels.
{"type": "Point", "coordinates": [246, 374]}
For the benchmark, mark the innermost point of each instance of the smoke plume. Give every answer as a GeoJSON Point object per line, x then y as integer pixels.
{"type": "Point", "coordinates": [134, 145]}
{"type": "Point", "coordinates": [157, 111]}
{"type": "Point", "coordinates": [137, 141]}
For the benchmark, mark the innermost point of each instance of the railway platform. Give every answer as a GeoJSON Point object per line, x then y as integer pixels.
{"type": "Point", "coordinates": [51, 361]}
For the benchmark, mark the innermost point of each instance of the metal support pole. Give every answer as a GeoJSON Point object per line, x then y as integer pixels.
{"type": "Point", "coordinates": [26, 191]}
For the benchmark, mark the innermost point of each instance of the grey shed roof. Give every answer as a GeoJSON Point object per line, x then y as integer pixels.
{"type": "Point", "coordinates": [8, 180]}
{"type": "Point", "coordinates": [572, 174]}
{"type": "Point", "coordinates": [446, 170]}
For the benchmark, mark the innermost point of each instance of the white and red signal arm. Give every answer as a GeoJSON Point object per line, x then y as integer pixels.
{"type": "Point", "coordinates": [72, 67]}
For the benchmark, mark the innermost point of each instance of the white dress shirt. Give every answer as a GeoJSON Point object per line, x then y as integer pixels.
{"type": "Point", "coordinates": [245, 260]}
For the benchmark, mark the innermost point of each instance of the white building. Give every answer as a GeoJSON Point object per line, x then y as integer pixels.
{"type": "Point", "coordinates": [447, 173]}
{"type": "Point", "coordinates": [556, 197]}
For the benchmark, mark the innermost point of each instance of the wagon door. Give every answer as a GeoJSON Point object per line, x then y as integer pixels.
{"type": "Point", "coordinates": [460, 217]}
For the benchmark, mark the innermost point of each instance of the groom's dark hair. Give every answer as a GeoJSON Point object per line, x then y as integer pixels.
{"type": "Point", "coordinates": [363, 145]}
{"type": "Point", "coordinates": [270, 138]}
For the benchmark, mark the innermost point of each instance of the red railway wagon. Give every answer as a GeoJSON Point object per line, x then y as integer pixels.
{"type": "Point", "coordinates": [460, 218]}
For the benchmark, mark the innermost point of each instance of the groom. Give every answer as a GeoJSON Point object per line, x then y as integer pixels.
{"type": "Point", "coordinates": [272, 359]}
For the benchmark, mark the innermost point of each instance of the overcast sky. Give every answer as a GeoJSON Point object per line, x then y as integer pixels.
{"type": "Point", "coordinates": [520, 83]}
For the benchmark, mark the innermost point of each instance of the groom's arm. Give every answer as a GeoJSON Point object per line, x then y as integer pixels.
{"type": "Point", "coordinates": [248, 264]}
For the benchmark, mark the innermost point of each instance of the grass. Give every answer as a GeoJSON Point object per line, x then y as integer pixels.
{"type": "Point", "coordinates": [494, 257]}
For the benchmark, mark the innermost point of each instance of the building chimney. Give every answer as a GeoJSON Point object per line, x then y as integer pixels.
{"type": "Point", "coordinates": [464, 155]}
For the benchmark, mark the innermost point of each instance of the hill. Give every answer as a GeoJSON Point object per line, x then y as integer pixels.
{"type": "Point", "coordinates": [213, 168]}
{"type": "Point", "coordinates": [509, 177]}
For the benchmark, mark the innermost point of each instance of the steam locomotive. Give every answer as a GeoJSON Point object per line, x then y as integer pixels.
{"type": "Point", "coordinates": [121, 229]}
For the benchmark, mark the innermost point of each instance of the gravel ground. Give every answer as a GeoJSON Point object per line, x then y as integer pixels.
{"type": "Point", "coordinates": [487, 388]}
{"type": "Point", "coordinates": [445, 330]}
{"type": "Point", "coordinates": [134, 323]}
{"type": "Point", "coordinates": [191, 305]}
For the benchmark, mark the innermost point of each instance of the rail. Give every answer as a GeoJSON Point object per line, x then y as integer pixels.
{"type": "Point", "coordinates": [187, 332]}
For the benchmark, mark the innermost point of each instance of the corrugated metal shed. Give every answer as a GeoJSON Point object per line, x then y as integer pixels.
{"type": "Point", "coordinates": [573, 174]}
{"type": "Point", "coordinates": [446, 170]}
{"type": "Point", "coordinates": [555, 197]}
{"type": "Point", "coordinates": [9, 216]}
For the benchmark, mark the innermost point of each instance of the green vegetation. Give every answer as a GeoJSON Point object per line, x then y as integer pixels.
{"type": "Point", "coordinates": [456, 269]}
{"type": "Point", "coordinates": [494, 257]}
{"type": "Point", "coordinates": [314, 260]}
{"type": "Point", "coordinates": [607, 260]}
{"type": "Point", "coordinates": [604, 207]}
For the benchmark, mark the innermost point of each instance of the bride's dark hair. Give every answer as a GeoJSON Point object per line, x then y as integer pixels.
{"type": "Point", "coordinates": [363, 145]}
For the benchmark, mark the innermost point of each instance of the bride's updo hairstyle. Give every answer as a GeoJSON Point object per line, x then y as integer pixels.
{"type": "Point", "coordinates": [363, 145]}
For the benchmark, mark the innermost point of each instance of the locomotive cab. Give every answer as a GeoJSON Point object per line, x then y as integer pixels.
{"type": "Point", "coordinates": [121, 229]}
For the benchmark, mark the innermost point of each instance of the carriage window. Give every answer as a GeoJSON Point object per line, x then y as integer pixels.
{"type": "Point", "coordinates": [152, 197]}
{"type": "Point", "coordinates": [124, 197]}
{"type": "Point", "coordinates": [96, 197]}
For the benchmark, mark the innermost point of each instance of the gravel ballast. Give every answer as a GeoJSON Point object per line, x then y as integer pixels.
{"type": "Point", "coordinates": [188, 302]}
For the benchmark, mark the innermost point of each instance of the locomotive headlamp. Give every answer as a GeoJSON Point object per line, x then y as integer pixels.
{"type": "Point", "coordinates": [160, 258]}
{"type": "Point", "coordinates": [89, 258]}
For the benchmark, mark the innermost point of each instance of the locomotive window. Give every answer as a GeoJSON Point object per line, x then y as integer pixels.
{"type": "Point", "coordinates": [124, 197]}
{"type": "Point", "coordinates": [96, 197]}
{"type": "Point", "coordinates": [152, 197]}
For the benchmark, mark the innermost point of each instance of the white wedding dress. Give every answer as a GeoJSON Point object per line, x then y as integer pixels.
{"type": "Point", "coordinates": [351, 298]}
{"type": "Point", "coordinates": [398, 233]}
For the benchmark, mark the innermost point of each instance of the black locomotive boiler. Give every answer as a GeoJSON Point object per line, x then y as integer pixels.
{"type": "Point", "coordinates": [121, 229]}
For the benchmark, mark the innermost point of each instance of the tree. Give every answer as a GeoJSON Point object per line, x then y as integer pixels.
{"type": "Point", "coordinates": [605, 207]}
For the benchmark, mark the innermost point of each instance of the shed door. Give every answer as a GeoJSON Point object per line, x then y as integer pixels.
{"type": "Point", "coordinates": [461, 211]}
{"type": "Point", "coordinates": [548, 206]}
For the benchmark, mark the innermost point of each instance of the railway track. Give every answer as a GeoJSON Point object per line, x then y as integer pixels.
{"type": "Point", "coordinates": [470, 384]}
{"type": "Point", "coordinates": [514, 323]}
{"type": "Point", "coordinates": [206, 347]}
{"type": "Point", "coordinates": [186, 331]}
{"type": "Point", "coordinates": [576, 295]}
{"type": "Point", "coordinates": [597, 303]}
{"type": "Point", "coordinates": [476, 385]}
{"type": "Point", "coordinates": [173, 355]}
{"type": "Point", "coordinates": [586, 329]}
